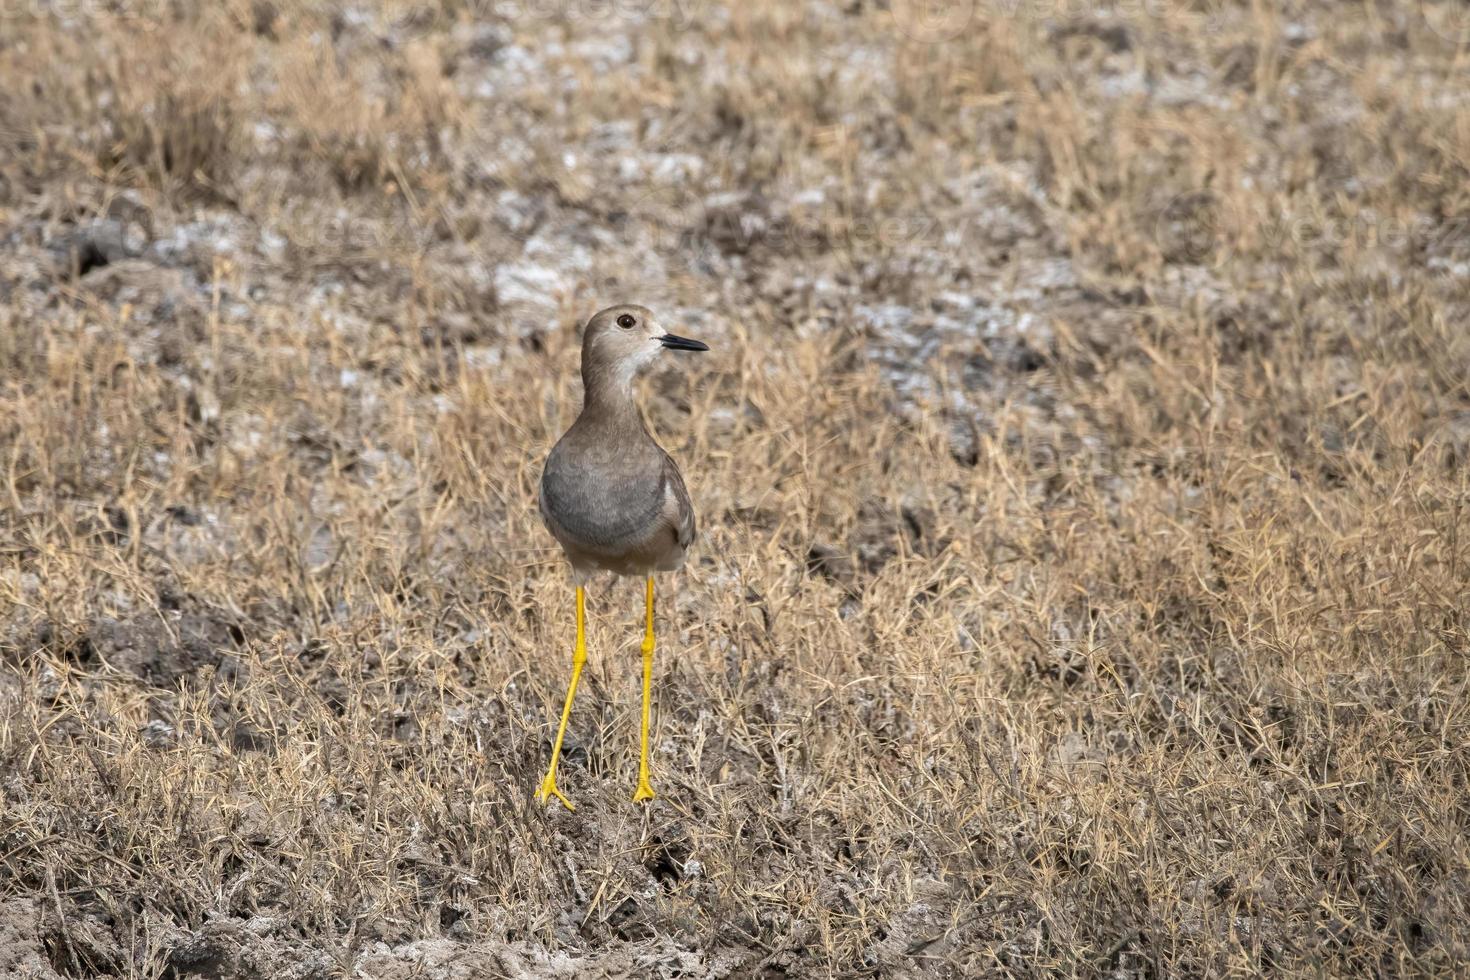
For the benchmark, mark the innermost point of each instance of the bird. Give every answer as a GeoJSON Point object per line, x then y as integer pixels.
{"type": "Point", "coordinates": [613, 498]}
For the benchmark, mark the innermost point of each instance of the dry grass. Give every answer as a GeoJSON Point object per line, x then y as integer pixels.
{"type": "Point", "coordinates": [1084, 582]}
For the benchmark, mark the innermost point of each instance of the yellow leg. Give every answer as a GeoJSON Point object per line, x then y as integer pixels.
{"type": "Point", "coordinates": [645, 791]}
{"type": "Point", "coordinates": [579, 657]}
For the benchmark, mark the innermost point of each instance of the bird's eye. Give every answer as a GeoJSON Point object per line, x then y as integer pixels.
{"type": "Point", "coordinates": [626, 321]}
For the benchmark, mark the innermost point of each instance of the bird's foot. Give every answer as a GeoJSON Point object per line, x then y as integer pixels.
{"type": "Point", "coordinates": [548, 790]}
{"type": "Point", "coordinates": [644, 792]}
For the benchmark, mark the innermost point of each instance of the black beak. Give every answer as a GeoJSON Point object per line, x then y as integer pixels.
{"type": "Point", "coordinates": [682, 343]}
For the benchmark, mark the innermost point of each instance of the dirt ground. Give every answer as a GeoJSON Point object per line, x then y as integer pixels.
{"type": "Point", "coordinates": [1083, 585]}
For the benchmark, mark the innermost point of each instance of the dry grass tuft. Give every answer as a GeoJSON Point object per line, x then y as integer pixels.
{"type": "Point", "coordinates": [1084, 581]}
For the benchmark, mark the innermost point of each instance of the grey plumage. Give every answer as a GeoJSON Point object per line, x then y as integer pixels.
{"type": "Point", "coordinates": [610, 494]}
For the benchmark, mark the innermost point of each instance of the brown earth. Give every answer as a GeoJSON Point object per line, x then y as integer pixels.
{"type": "Point", "coordinates": [1082, 587]}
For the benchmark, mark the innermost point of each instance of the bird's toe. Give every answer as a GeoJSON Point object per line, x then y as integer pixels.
{"type": "Point", "coordinates": [549, 789]}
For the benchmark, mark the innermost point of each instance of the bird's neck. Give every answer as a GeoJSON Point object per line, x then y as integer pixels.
{"type": "Point", "coordinates": [609, 398]}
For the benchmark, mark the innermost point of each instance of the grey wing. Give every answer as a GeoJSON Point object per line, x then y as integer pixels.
{"type": "Point", "coordinates": [541, 503]}
{"type": "Point", "coordinates": [681, 508]}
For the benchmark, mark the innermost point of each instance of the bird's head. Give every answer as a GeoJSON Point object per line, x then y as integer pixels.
{"type": "Point", "coordinates": [621, 342]}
